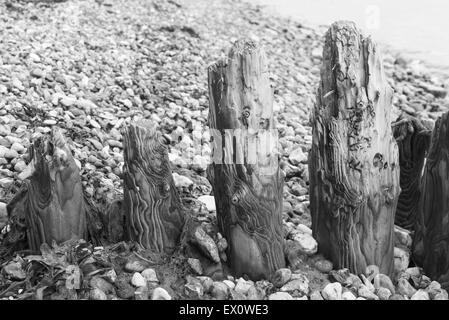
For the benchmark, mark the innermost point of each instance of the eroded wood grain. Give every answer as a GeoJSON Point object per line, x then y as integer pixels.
{"type": "Point", "coordinates": [353, 163]}
{"type": "Point", "coordinates": [431, 239]}
{"type": "Point", "coordinates": [245, 175]}
{"type": "Point", "coordinates": [153, 213]}
{"type": "Point", "coordinates": [54, 201]}
{"type": "Point", "coordinates": [413, 139]}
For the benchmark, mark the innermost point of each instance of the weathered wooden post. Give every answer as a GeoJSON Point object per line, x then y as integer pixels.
{"type": "Point", "coordinates": [353, 164]}
{"type": "Point", "coordinates": [245, 175]}
{"type": "Point", "coordinates": [153, 212]}
{"type": "Point", "coordinates": [413, 139]}
{"type": "Point", "coordinates": [431, 239]}
{"type": "Point", "coordinates": [54, 200]}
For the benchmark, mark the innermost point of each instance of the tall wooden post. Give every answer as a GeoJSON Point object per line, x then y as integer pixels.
{"type": "Point", "coordinates": [413, 139]}
{"type": "Point", "coordinates": [246, 179]}
{"type": "Point", "coordinates": [353, 164]}
{"type": "Point", "coordinates": [431, 239]}
{"type": "Point", "coordinates": [54, 200]}
{"type": "Point", "coordinates": [153, 213]}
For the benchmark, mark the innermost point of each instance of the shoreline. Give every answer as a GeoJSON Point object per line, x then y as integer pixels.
{"type": "Point", "coordinates": [442, 70]}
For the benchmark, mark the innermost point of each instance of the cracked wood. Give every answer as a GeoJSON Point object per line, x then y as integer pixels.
{"type": "Point", "coordinates": [245, 175]}
{"type": "Point", "coordinates": [153, 213]}
{"type": "Point", "coordinates": [354, 165]}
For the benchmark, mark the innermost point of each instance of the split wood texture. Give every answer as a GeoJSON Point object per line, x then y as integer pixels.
{"type": "Point", "coordinates": [413, 139]}
{"type": "Point", "coordinates": [431, 239]}
{"type": "Point", "coordinates": [153, 213]}
{"type": "Point", "coordinates": [354, 165]}
{"type": "Point", "coordinates": [245, 175]}
{"type": "Point", "coordinates": [54, 200]}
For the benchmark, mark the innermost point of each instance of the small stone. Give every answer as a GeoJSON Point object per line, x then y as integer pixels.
{"type": "Point", "coordinates": [433, 289]}
{"type": "Point", "coordinates": [242, 286]}
{"type": "Point", "coordinates": [102, 284]}
{"type": "Point", "coordinates": [348, 295]}
{"type": "Point", "coordinates": [11, 154]}
{"type": "Point", "coordinates": [304, 229]}
{"type": "Point", "coordinates": [281, 277]}
{"type": "Point", "coordinates": [229, 283]}
{"type": "Point", "coordinates": [209, 201]}
{"type": "Point", "coordinates": [194, 289]}
{"type": "Point", "coordinates": [38, 73]}
{"type": "Point", "coordinates": [324, 266]}
{"type": "Point", "coordinates": [181, 181]}
{"type": "Point", "coordinates": [237, 295]}
{"type": "Point", "coordinates": [405, 288]}
{"type": "Point", "coordinates": [297, 156]}
{"type": "Point", "coordinates": [396, 296]}
{"type": "Point", "coordinates": [3, 210]}
{"type": "Point", "coordinates": [14, 271]}
{"type": "Point", "coordinates": [420, 295]}
{"type": "Point", "coordinates": [97, 294]}
{"type": "Point", "coordinates": [316, 295]}
{"type": "Point", "coordinates": [18, 147]}
{"type": "Point", "coordinates": [383, 293]}
{"type": "Point", "coordinates": [149, 275]}
{"type": "Point", "coordinates": [206, 282]}
{"type": "Point", "coordinates": [441, 295]}
{"type": "Point", "coordinates": [141, 293]}
{"type": "Point", "coordinates": [255, 293]}
{"type": "Point", "coordinates": [383, 281]}
{"type": "Point", "coordinates": [124, 289]}
{"type": "Point", "coordinates": [20, 166]}
{"type": "Point", "coordinates": [437, 92]}
{"type": "Point", "coordinates": [300, 284]}
{"type": "Point", "coordinates": [366, 293]}
{"type": "Point", "coordinates": [138, 280]}
{"type": "Point", "coordinates": [401, 260]}
{"type": "Point", "coordinates": [306, 243]}
{"type": "Point", "coordinates": [135, 266]}
{"type": "Point", "coordinates": [332, 291]}
{"type": "Point", "coordinates": [280, 296]}
{"type": "Point", "coordinates": [415, 272]}
{"type": "Point", "coordinates": [206, 244]}
{"type": "Point", "coordinates": [402, 237]}
{"type": "Point", "coordinates": [195, 264]}
{"type": "Point", "coordinates": [199, 163]}
{"type": "Point", "coordinates": [67, 101]}
{"type": "Point", "coordinates": [160, 294]}
{"type": "Point", "coordinates": [220, 290]}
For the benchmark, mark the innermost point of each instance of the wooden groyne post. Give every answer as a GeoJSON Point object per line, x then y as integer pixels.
{"type": "Point", "coordinates": [353, 163]}
{"type": "Point", "coordinates": [245, 175]}
{"type": "Point", "coordinates": [153, 211]}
